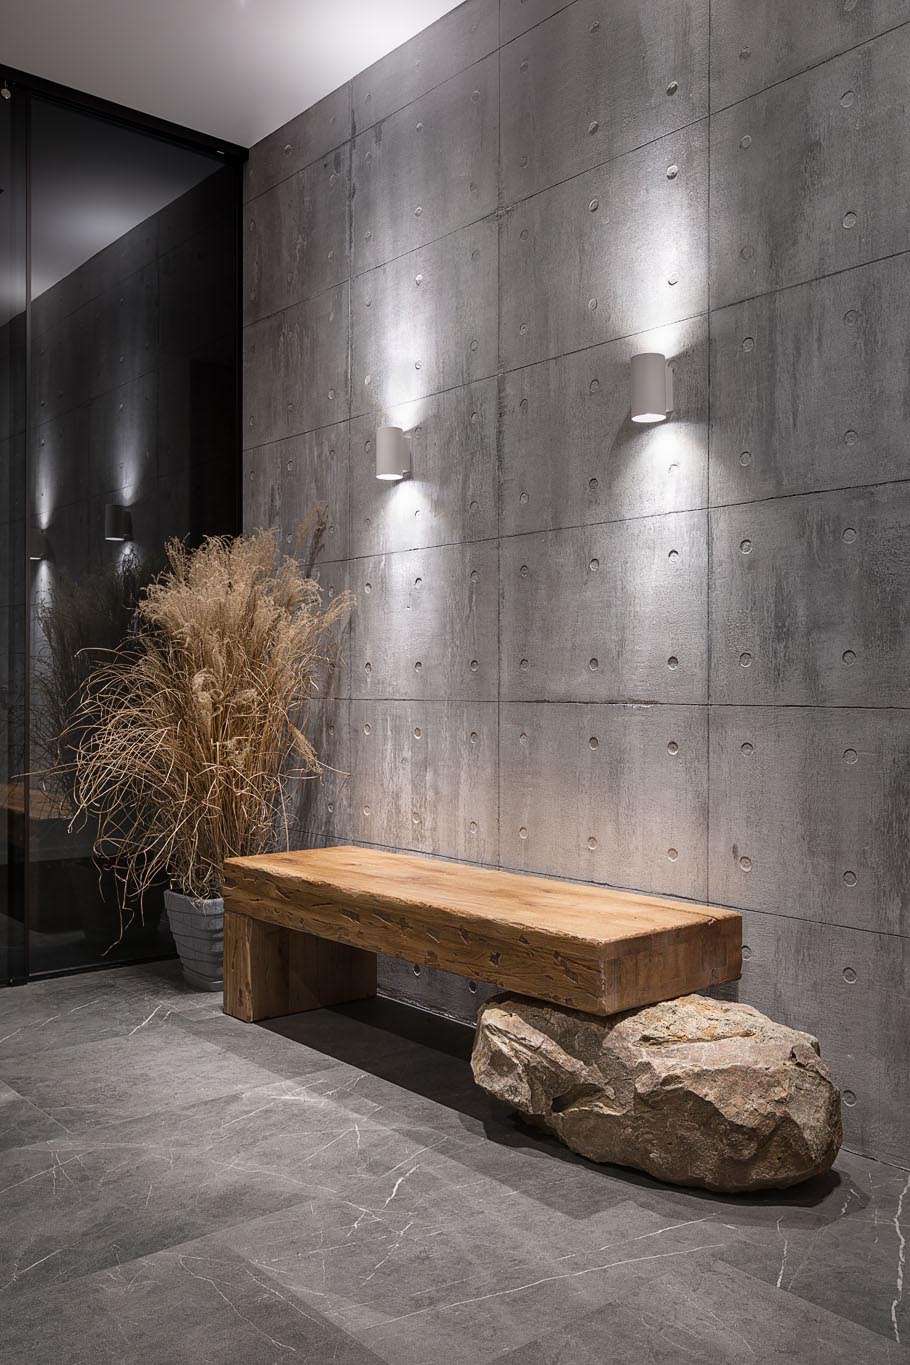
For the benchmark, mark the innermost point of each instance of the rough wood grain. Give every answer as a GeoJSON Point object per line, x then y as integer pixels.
{"type": "Point", "coordinates": [587, 947]}
{"type": "Point", "coordinates": [270, 970]}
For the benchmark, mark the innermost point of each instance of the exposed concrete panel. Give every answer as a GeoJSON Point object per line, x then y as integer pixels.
{"type": "Point", "coordinates": [520, 15]}
{"type": "Point", "coordinates": [333, 672]}
{"type": "Point", "coordinates": [450, 45]}
{"type": "Point", "coordinates": [815, 135]}
{"type": "Point", "coordinates": [810, 600]}
{"type": "Point", "coordinates": [403, 754]}
{"type": "Point", "coordinates": [593, 259]}
{"type": "Point", "coordinates": [805, 394]}
{"type": "Point", "coordinates": [122, 444]}
{"type": "Point", "coordinates": [596, 80]}
{"type": "Point", "coordinates": [320, 807]}
{"type": "Point", "coordinates": [807, 813]}
{"type": "Point", "coordinates": [124, 331]}
{"type": "Point", "coordinates": [607, 613]}
{"type": "Point", "coordinates": [195, 312]}
{"type": "Point", "coordinates": [296, 240]}
{"type": "Point", "coordinates": [60, 366]}
{"type": "Point", "coordinates": [849, 989]}
{"type": "Point", "coordinates": [295, 369]}
{"type": "Point", "coordinates": [452, 494]}
{"type": "Point", "coordinates": [285, 482]}
{"type": "Point", "coordinates": [124, 257]}
{"type": "Point", "coordinates": [429, 169]}
{"type": "Point", "coordinates": [298, 143]}
{"type": "Point", "coordinates": [426, 321]}
{"type": "Point", "coordinates": [58, 463]}
{"type": "Point", "coordinates": [753, 45]}
{"type": "Point", "coordinates": [455, 997]}
{"type": "Point", "coordinates": [614, 794]}
{"type": "Point", "coordinates": [571, 454]}
{"type": "Point", "coordinates": [426, 624]}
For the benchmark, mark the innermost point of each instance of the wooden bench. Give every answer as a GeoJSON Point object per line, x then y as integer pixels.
{"type": "Point", "coordinates": [302, 930]}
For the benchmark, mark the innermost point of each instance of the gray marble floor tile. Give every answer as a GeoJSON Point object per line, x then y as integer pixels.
{"type": "Point", "coordinates": [705, 1312]}
{"type": "Point", "coordinates": [67, 1211]}
{"type": "Point", "coordinates": [57, 1012]}
{"type": "Point", "coordinates": [156, 1066]}
{"type": "Point", "coordinates": [187, 1306]}
{"type": "Point", "coordinates": [178, 1187]}
{"type": "Point", "coordinates": [829, 1257]}
{"type": "Point", "coordinates": [22, 1122]}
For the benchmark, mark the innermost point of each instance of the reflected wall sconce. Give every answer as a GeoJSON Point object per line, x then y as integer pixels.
{"type": "Point", "coordinates": [652, 387]}
{"type": "Point", "coordinates": [393, 454]}
{"type": "Point", "coordinates": [118, 524]}
{"type": "Point", "coordinates": [38, 547]}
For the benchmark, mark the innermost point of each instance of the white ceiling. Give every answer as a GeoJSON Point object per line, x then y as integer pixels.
{"type": "Point", "coordinates": [237, 69]}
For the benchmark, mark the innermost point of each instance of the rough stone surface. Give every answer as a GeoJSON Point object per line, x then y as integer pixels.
{"type": "Point", "coordinates": [693, 1091]}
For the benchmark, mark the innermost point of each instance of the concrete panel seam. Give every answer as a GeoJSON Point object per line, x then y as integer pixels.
{"type": "Point", "coordinates": [358, 131]}
{"type": "Point", "coordinates": [299, 170]}
{"type": "Point", "coordinates": [812, 66]}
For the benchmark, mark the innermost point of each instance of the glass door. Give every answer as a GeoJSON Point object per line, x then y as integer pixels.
{"type": "Point", "coordinates": [125, 434]}
{"type": "Point", "coordinates": [14, 814]}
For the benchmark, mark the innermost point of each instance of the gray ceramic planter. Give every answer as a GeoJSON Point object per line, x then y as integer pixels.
{"type": "Point", "coordinates": [198, 929]}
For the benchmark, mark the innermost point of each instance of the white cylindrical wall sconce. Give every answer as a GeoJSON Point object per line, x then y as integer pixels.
{"type": "Point", "coordinates": [38, 547]}
{"type": "Point", "coordinates": [393, 454]}
{"type": "Point", "coordinates": [118, 523]}
{"type": "Point", "coordinates": [652, 387]}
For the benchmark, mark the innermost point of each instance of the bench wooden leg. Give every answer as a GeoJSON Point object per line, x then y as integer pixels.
{"type": "Point", "coordinates": [270, 971]}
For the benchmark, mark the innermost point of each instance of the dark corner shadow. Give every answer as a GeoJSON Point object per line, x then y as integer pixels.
{"type": "Point", "coordinates": [807, 1195]}
{"type": "Point", "coordinates": [422, 1053]}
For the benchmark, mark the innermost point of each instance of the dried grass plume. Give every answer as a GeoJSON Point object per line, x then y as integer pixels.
{"type": "Point", "coordinates": [192, 731]}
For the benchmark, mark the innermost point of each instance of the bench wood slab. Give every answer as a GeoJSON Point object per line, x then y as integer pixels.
{"type": "Point", "coordinates": [587, 947]}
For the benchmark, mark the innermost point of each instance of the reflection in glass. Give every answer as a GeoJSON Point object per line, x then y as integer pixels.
{"type": "Point", "coordinates": [129, 439]}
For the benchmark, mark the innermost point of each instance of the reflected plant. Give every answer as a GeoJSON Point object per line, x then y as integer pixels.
{"type": "Point", "coordinates": [189, 736]}
{"type": "Point", "coordinates": [81, 620]}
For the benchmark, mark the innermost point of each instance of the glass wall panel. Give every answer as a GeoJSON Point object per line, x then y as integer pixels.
{"type": "Point", "coordinates": [128, 436]}
{"type": "Point", "coordinates": [13, 691]}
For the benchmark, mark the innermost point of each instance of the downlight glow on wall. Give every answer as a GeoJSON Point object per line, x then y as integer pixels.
{"type": "Point", "coordinates": [652, 387]}
{"type": "Point", "coordinates": [393, 455]}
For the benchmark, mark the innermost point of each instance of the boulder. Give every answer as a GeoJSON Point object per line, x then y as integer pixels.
{"type": "Point", "coordinates": [693, 1091]}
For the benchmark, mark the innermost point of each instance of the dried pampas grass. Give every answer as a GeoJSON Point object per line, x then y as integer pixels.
{"type": "Point", "coordinates": [191, 732]}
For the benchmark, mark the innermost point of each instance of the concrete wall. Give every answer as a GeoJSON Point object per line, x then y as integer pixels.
{"type": "Point", "coordinates": [671, 658]}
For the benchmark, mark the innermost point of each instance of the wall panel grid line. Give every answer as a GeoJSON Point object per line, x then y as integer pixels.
{"type": "Point", "coordinates": [670, 658]}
